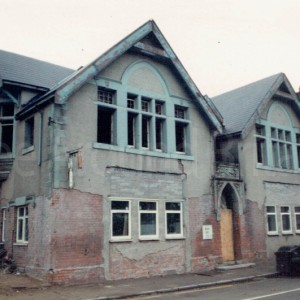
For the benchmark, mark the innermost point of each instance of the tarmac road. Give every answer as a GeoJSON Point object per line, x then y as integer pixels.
{"type": "Point", "coordinates": [287, 288]}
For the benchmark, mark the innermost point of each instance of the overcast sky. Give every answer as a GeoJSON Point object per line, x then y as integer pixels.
{"type": "Point", "coordinates": [223, 44]}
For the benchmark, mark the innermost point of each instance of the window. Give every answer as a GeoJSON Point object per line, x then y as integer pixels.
{"type": "Point", "coordinates": [145, 132]}
{"type": "Point", "coordinates": [105, 125]}
{"type": "Point", "coordinates": [146, 104]}
{"type": "Point", "coordinates": [180, 129]}
{"type": "Point", "coordinates": [105, 96]}
{"type": "Point", "coordinates": [261, 144]}
{"type": "Point", "coordinates": [6, 127]}
{"type": "Point", "coordinates": [148, 219]}
{"type": "Point", "coordinates": [106, 115]}
{"type": "Point", "coordinates": [3, 224]}
{"type": "Point", "coordinates": [285, 219]}
{"type": "Point", "coordinates": [281, 148]}
{"type": "Point", "coordinates": [271, 220]}
{"type": "Point", "coordinates": [159, 123]}
{"type": "Point", "coordinates": [298, 148]}
{"type": "Point", "coordinates": [131, 130]}
{"type": "Point", "coordinates": [29, 132]}
{"type": "Point", "coordinates": [174, 227]}
{"type": "Point", "coordinates": [120, 220]}
{"type": "Point", "coordinates": [297, 219]}
{"type": "Point", "coordinates": [22, 224]}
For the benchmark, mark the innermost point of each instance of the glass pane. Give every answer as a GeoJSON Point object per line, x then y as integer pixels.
{"type": "Point", "coordinates": [21, 211]}
{"type": "Point", "coordinates": [275, 154]}
{"type": "Point", "coordinates": [123, 205]}
{"type": "Point", "coordinates": [105, 96]}
{"type": "Point", "coordinates": [20, 229]}
{"type": "Point", "coordinates": [148, 205]}
{"type": "Point", "coordinates": [179, 112]}
{"type": "Point", "coordinates": [159, 108]}
{"type": "Point", "coordinates": [145, 132]}
{"type": "Point", "coordinates": [173, 223]}
{"type": "Point", "coordinates": [288, 136]}
{"type": "Point", "coordinates": [272, 223]}
{"type": "Point", "coordinates": [280, 134]}
{"type": "Point", "coordinates": [282, 156]}
{"type": "Point", "coordinates": [297, 209]}
{"type": "Point", "coordinates": [120, 224]}
{"type": "Point", "coordinates": [148, 224]}
{"type": "Point", "coordinates": [158, 133]}
{"type": "Point", "coordinates": [298, 222]}
{"type": "Point", "coordinates": [26, 211]}
{"type": "Point", "coordinates": [173, 205]}
{"type": "Point", "coordinates": [298, 138]}
{"type": "Point", "coordinates": [131, 130]}
{"type": "Point", "coordinates": [270, 208]}
{"type": "Point", "coordinates": [286, 223]}
{"type": "Point", "coordinates": [273, 133]}
{"type": "Point", "coordinates": [285, 209]}
{"type": "Point", "coordinates": [26, 230]}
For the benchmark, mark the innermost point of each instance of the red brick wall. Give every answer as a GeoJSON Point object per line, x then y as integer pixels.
{"type": "Point", "coordinates": [205, 253]}
{"type": "Point", "coordinates": [77, 237]}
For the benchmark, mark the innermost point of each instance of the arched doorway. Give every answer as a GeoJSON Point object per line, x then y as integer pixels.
{"type": "Point", "coordinates": [228, 208]}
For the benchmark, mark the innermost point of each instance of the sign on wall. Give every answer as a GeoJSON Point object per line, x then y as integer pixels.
{"type": "Point", "coordinates": [207, 232]}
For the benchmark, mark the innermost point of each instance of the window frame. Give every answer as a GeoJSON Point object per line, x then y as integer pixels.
{"type": "Point", "coordinates": [25, 225]}
{"type": "Point", "coordinates": [29, 132]}
{"type": "Point", "coordinates": [289, 214]}
{"type": "Point", "coordinates": [121, 238]}
{"type": "Point", "coordinates": [154, 212]}
{"type": "Point", "coordinates": [3, 223]}
{"type": "Point", "coordinates": [6, 121]}
{"type": "Point", "coordinates": [180, 212]}
{"type": "Point", "coordinates": [297, 230]}
{"type": "Point", "coordinates": [274, 214]}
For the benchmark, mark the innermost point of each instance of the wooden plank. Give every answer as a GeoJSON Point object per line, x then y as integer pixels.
{"type": "Point", "coordinates": [227, 235]}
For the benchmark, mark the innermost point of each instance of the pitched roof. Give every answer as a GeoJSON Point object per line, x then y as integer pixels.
{"type": "Point", "coordinates": [25, 70]}
{"type": "Point", "coordinates": [241, 107]}
{"type": "Point", "coordinates": [161, 49]}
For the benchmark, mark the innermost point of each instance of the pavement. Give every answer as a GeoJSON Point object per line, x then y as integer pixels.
{"type": "Point", "coordinates": [14, 286]}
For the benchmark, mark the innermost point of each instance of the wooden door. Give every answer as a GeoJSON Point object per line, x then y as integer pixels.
{"type": "Point", "coordinates": [227, 235]}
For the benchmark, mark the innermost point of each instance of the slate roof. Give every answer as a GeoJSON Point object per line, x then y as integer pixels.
{"type": "Point", "coordinates": [26, 70]}
{"type": "Point", "coordinates": [239, 106]}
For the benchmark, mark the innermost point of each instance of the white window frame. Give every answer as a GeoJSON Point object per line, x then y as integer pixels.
{"type": "Point", "coordinates": [23, 218]}
{"type": "Point", "coordinates": [274, 214]}
{"type": "Point", "coordinates": [3, 224]}
{"type": "Point", "coordinates": [180, 212]}
{"type": "Point", "coordinates": [126, 211]}
{"type": "Point", "coordinates": [141, 211]}
{"type": "Point", "coordinates": [290, 218]}
{"type": "Point", "coordinates": [297, 230]}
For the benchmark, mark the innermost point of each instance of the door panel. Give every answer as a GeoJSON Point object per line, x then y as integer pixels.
{"type": "Point", "coordinates": [227, 235]}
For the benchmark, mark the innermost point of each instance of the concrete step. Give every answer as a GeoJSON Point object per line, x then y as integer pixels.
{"type": "Point", "coordinates": [233, 266]}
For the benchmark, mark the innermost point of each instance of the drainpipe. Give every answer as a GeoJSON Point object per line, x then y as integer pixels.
{"type": "Point", "coordinates": [40, 153]}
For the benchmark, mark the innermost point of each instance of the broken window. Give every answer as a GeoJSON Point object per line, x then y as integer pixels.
{"type": "Point", "coordinates": [145, 104]}
{"type": "Point", "coordinates": [179, 112]}
{"type": "Point", "coordinates": [261, 144]}
{"type": "Point", "coordinates": [29, 132]}
{"type": "Point", "coordinates": [145, 132]}
{"type": "Point", "coordinates": [174, 226]}
{"type": "Point", "coordinates": [131, 129]}
{"type": "Point", "coordinates": [282, 148]}
{"type": "Point", "coordinates": [120, 219]}
{"type": "Point", "coordinates": [159, 133]}
{"type": "Point", "coordinates": [271, 220]}
{"type": "Point", "coordinates": [148, 216]}
{"type": "Point", "coordinates": [159, 107]}
{"type": "Point", "coordinates": [180, 129]}
{"type": "Point", "coordinates": [105, 129]}
{"type": "Point", "coordinates": [6, 127]}
{"type": "Point", "coordinates": [22, 224]}
{"type": "Point", "coordinates": [285, 219]}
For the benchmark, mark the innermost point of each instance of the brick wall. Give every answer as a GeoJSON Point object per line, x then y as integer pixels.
{"type": "Point", "coordinates": [76, 238]}
{"type": "Point", "coordinates": [205, 253]}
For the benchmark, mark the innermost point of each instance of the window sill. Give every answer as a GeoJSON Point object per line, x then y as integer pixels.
{"type": "Point", "coordinates": [147, 152]}
{"type": "Point", "coordinates": [21, 244]}
{"type": "Point", "coordinates": [141, 239]}
{"type": "Point", "coordinates": [120, 240]}
{"type": "Point", "coordinates": [273, 234]}
{"type": "Point", "coordinates": [268, 168]}
{"type": "Point", "coordinates": [175, 238]}
{"type": "Point", "coordinates": [287, 233]}
{"type": "Point", "coordinates": [27, 150]}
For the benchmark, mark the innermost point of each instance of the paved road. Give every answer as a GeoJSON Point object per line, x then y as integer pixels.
{"type": "Point", "coordinates": [266, 289]}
